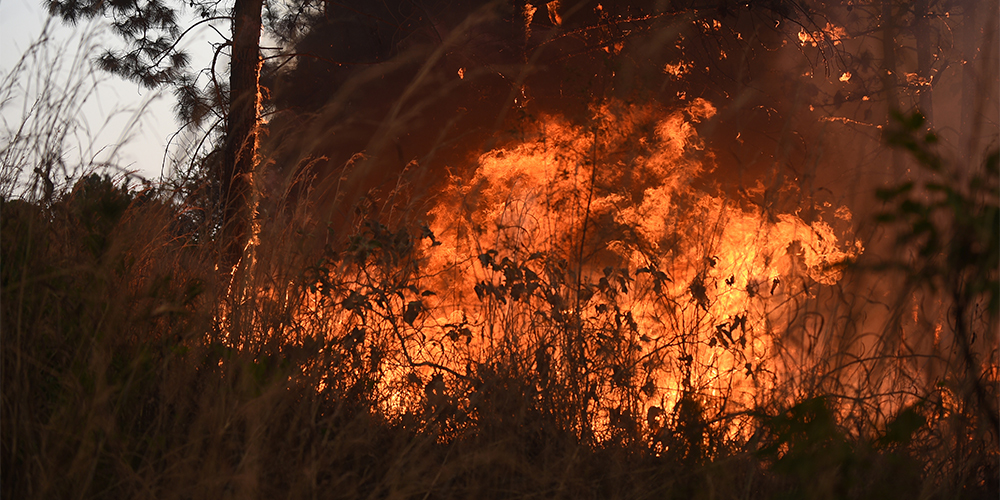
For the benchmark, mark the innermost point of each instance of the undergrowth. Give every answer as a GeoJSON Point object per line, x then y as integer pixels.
{"type": "Point", "coordinates": [132, 368]}
{"type": "Point", "coordinates": [326, 365]}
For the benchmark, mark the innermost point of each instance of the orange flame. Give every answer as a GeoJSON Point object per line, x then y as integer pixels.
{"type": "Point", "coordinates": [702, 278]}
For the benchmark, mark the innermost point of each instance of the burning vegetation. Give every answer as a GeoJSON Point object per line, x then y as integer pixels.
{"type": "Point", "coordinates": [517, 250]}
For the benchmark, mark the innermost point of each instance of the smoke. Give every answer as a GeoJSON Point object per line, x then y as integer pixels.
{"type": "Point", "coordinates": [691, 183]}
{"type": "Point", "coordinates": [421, 89]}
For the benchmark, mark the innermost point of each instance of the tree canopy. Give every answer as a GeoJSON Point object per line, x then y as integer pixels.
{"type": "Point", "coordinates": [433, 81]}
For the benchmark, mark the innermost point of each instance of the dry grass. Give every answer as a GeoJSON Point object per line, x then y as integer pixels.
{"type": "Point", "coordinates": [133, 368]}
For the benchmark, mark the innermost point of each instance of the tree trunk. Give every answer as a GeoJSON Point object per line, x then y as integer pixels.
{"type": "Point", "coordinates": [922, 33]}
{"type": "Point", "coordinates": [241, 129]}
{"type": "Point", "coordinates": [969, 41]}
{"type": "Point", "coordinates": [889, 77]}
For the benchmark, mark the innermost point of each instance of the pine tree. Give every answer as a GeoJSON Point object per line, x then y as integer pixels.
{"type": "Point", "coordinates": [151, 30]}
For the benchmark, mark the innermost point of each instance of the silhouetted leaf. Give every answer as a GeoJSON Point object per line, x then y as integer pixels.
{"type": "Point", "coordinates": [413, 309]}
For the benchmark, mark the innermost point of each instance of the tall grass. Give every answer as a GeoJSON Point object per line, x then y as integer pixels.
{"type": "Point", "coordinates": [132, 367]}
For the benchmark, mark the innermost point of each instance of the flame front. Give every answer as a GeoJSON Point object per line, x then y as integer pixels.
{"type": "Point", "coordinates": [586, 261]}
{"type": "Point", "coordinates": [590, 245]}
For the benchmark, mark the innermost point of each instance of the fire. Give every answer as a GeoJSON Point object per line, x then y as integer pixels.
{"type": "Point", "coordinates": [831, 33]}
{"type": "Point", "coordinates": [582, 220]}
{"type": "Point", "coordinates": [590, 257]}
{"type": "Point", "coordinates": [677, 70]}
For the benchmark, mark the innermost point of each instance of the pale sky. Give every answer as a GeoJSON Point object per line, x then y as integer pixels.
{"type": "Point", "coordinates": [111, 112]}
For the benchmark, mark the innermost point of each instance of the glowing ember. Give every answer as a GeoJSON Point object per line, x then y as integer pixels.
{"type": "Point", "coordinates": [677, 70]}
{"type": "Point", "coordinates": [830, 33]}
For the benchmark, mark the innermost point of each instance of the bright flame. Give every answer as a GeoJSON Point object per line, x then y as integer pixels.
{"type": "Point", "coordinates": [606, 218]}
{"type": "Point", "coordinates": [590, 250]}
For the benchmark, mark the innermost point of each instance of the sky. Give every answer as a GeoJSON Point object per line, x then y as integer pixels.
{"type": "Point", "coordinates": [117, 112]}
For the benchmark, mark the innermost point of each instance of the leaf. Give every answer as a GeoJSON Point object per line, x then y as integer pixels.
{"type": "Point", "coordinates": [355, 338]}
{"type": "Point", "coordinates": [699, 292]}
{"type": "Point", "coordinates": [413, 309]}
{"type": "Point", "coordinates": [354, 301]}
{"type": "Point", "coordinates": [649, 389]}
{"type": "Point", "coordinates": [485, 259]}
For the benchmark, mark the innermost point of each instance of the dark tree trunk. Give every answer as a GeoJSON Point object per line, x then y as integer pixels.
{"type": "Point", "coordinates": [969, 41]}
{"type": "Point", "coordinates": [889, 76]}
{"type": "Point", "coordinates": [922, 33]}
{"type": "Point", "coordinates": [241, 129]}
